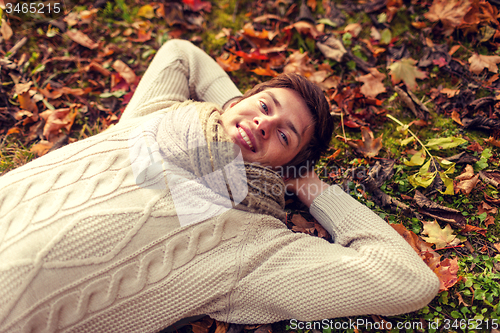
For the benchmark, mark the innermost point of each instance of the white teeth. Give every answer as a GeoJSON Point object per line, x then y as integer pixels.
{"type": "Point", "coordinates": [245, 137]}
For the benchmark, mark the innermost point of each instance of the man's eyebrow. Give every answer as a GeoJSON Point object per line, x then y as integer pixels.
{"type": "Point", "coordinates": [288, 122]}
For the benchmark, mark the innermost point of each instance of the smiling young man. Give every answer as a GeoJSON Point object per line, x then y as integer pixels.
{"type": "Point", "coordinates": [150, 221]}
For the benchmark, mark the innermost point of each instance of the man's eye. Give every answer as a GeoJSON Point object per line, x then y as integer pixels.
{"type": "Point", "coordinates": [283, 135]}
{"type": "Point", "coordinates": [264, 107]}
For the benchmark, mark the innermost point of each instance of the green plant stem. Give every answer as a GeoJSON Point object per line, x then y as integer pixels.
{"type": "Point", "coordinates": [416, 138]}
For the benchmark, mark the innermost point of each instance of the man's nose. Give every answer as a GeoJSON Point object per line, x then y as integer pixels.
{"type": "Point", "coordinates": [264, 126]}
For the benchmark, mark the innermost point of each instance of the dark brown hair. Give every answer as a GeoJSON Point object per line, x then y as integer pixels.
{"type": "Point", "coordinates": [318, 107]}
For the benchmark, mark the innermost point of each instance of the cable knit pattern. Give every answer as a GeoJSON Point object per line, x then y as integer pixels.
{"type": "Point", "coordinates": [98, 236]}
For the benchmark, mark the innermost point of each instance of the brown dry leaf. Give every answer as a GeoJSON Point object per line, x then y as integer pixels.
{"type": "Point", "coordinates": [55, 120]}
{"type": "Point", "coordinates": [497, 246]}
{"type": "Point", "coordinates": [449, 12]}
{"type": "Point", "coordinates": [221, 327]}
{"type": "Point", "coordinates": [486, 208]}
{"type": "Point", "coordinates": [469, 228]}
{"type": "Point", "coordinates": [368, 146]}
{"type": "Point", "coordinates": [442, 213]}
{"type": "Point", "coordinates": [447, 273]}
{"type": "Point", "coordinates": [466, 186]}
{"type": "Point", "coordinates": [353, 28]}
{"type": "Point", "coordinates": [331, 48]}
{"type": "Point", "coordinates": [450, 92]}
{"type": "Point", "coordinates": [441, 237]}
{"type": "Point", "coordinates": [203, 325]}
{"type": "Point", "coordinates": [492, 200]}
{"type": "Point", "coordinates": [41, 148]}
{"type": "Point", "coordinates": [372, 83]}
{"type": "Point", "coordinates": [492, 141]}
{"type": "Point", "coordinates": [445, 270]}
{"type": "Point", "coordinates": [478, 62]}
{"type": "Point", "coordinates": [302, 225]}
{"type": "Point", "coordinates": [490, 177]}
{"type": "Point", "coordinates": [468, 173]}
{"type": "Point", "coordinates": [125, 72]}
{"type": "Point", "coordinates": [81, 38]}
{"type": "Point", "coordinates": [299, 63]}
{"type": "Point", "coordinates": [304, 28]}
{"type": "Point", "coordinates": [6, 30]}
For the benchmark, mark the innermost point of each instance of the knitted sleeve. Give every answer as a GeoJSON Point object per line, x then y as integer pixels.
{"type": "Point", "coordinates": [369, 269]}
{"type": "Point", "coordinates": [180, 71]}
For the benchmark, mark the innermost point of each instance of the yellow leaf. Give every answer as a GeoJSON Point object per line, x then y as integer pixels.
{"type": "Point", "coordinates": [441, 237]}
{"type": "Point", "coordinates": [146, 11]}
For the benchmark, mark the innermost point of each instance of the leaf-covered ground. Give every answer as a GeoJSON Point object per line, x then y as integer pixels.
{"type": "Point", "coordinates": [413, 87]}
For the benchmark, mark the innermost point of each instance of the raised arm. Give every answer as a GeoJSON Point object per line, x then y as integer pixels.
{"type": "Point", "coordinates": [180, 71]}
{"type": "Point", "coordinates": [369, 269]}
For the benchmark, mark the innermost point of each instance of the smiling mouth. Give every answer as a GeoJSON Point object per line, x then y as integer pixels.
{"type": "Point", "coordinates": [246, 138]}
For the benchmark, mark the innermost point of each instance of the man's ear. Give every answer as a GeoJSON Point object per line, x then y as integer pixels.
{"type": "Point", "coordinates": [232, 102]}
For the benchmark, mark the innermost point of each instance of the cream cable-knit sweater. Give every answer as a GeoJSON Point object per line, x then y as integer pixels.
{"type": "Point", "coordinates": [85, 248]}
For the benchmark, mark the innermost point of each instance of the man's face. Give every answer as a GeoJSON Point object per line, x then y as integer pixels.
{"type": "Point", "coordinates": [270, 127]}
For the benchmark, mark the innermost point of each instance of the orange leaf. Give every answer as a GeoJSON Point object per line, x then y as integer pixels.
{"type": "Point", "coordinates": [230, 63]}
{"type": "Point", "coordinates": [492, 141]}
{"type": "Point", "coordinates": [469, 228]}
{"type": "Point", "coordinates": [447, 273]}
{"type": "Point", "coordinates": [82, 39]}
{"type": "Point", "coordinates": [456, 117]}
{"type": "Point", "coordinates": [368, 146]}
{"type": "Point", "coordinates": [14, 130]}
{"type": "Point", "coordinates": [41, 148]}
{"type": "Point", "coordinates": [264, 71]}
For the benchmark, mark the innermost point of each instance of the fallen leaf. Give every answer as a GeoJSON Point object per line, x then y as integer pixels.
{"type": "Point", "coordinates": [353, 28]}
{"type": "Point", "coordinates": [406, 71]}
{"type": "Point", "coordinates": [449, 12]}
{"type": "Point", "coordinates": [442, 213]}
{"type": "Point", "coordinates": [82, 39]}
{"type": "Point", "coordinates": [417, 159]}
{"type": "Point", "coordinates": [478, 62]}
{"type": "Point", "coordinates": [456, 117]}
{"type": "Point", "coordinates": [441, 237]}
{"type": "Point", "coordinates": [468, 173]}
{"type": "Point", "coordinates": [6, 30]}
{"type": "Point", "coordinates": [447, 273]}
{"type": "Point", "coordinates": [444, 143]}
{"type": "Point", "coordinates": [495, 201]}
{"type": "Point", "coordinates": [197, 5]}
{"type": "Point", "coordinates": [469, 228]}
{"type": "Point", "coordinates": [450, 92]}
{"type": "Point", "coordinates": [203, 325]}
{"type": "Point", "coordinates": [228, 62]}
{"type": "Point", "coordinates": [41, 148]}
{"type": "Point", "coordinates": [492, 141]}
{"type": "Point", "coordinates": [490, 177]}
{"type": "Point", "coordinates": [55, 120]}
{"type": "Point", "coordinates": [125, 72]}
{"type": "Point", "coordinates": [466, 186]}
{"type": "Point", "coordinates": [368, 146]}
{"type": "Point", "coordinates": [146, 11]}
{"type": "Point", "coordinates": [486, 208]}
{"type": "Point", "coordinates": [331, 48]}
{"type": "Point", "coordinates": [304, 28]}
{"type": "Point", "coordinates": [264, 71]}
{"type": "Point", "coordinates": [475, 147]}
{"type": "Point", "coordinates": [372, 83]}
